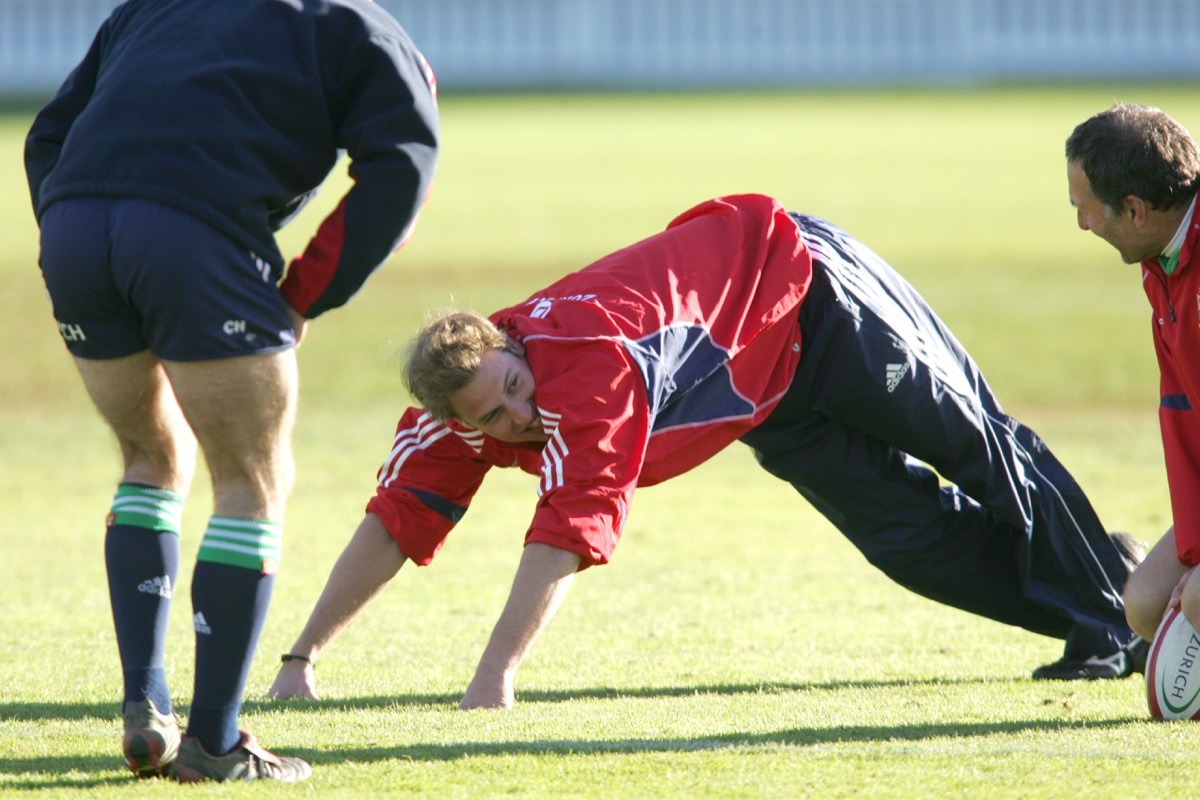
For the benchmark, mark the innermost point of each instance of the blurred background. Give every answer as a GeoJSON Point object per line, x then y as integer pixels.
{"type": "Point", "coordinates": [675, 44]}
{"type": "Point", "coordinates": [932, 130]}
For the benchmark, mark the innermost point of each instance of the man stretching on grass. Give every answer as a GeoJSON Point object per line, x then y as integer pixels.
{"type": "Point", "coordinates": [740, 321]}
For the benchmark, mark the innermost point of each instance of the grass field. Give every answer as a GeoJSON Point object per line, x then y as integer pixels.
{"type": "Point", "coordinates": [737, 646]}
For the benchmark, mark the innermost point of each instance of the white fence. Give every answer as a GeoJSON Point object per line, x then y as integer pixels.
{"type": "Point", "coordinates": [629, 44]}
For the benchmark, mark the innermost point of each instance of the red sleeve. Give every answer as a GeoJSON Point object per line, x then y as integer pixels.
{"type": "Point", "coordinates": [313, 277]}
{"type": "Point", "coordinates": [426, 484]}
{"type": "Point", "coordinates": [311, 273]}
{"type": "Point", "coordinates": [598, 439]}
{"type": "Point", "coordinates": [389, 128]}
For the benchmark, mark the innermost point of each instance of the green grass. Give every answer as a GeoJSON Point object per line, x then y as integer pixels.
{"type": "Point", "coordinates": [737, 646]}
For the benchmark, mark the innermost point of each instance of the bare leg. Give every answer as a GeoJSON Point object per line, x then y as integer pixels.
{"type": "Point", "coordinates": [141, 543]}
{"type": "Point", "coordinates": [243, 411]}
{"type": "Point", "coordinates": [136, 400]}
{"type": "Point", "coordinates": [1149, 587]}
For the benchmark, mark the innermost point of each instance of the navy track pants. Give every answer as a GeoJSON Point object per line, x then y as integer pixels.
{"type": "Point", "coordinates": [884, 392]}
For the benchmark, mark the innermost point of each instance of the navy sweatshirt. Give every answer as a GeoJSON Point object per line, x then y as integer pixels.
{"type": "Point", "coordinates": [235, 111]}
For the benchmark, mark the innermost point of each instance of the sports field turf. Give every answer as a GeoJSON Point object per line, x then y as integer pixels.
{"type": "Point", "coordinates": [737, 646]}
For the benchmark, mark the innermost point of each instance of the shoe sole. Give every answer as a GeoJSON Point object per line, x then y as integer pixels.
{"type": "Point", "coordinates": [246, 762]}
{"type": "Point", "coordinates": [293, 774]}
{"type": "Point", "coordinates": [1132, 549]}
{"type": "Point", "coordinates": [144, 755]}
{"type": "Point", "coordinates": [181, 774]}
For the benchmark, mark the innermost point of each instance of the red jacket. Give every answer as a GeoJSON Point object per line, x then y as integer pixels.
{"type": "Point", "coordinates": [646, 364]}
{"type": "Point", "coordinates": [1175, 299]}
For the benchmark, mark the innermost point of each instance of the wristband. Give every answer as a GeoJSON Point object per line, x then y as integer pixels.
{"type": "Point", "coordinates": [286, 657]}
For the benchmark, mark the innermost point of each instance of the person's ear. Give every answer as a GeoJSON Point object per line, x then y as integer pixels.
{"type": "Point", "coordinates": [514, 347]}
{"type": "Point", "coordinates": [1136, 209]}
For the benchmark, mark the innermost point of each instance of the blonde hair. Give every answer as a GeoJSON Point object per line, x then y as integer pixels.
{"type": "Point", "coordinates": [444, 356]}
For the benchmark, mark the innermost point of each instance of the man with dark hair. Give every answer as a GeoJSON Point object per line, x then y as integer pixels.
{"type": "Point", "coordinates": [740, 321]}
{"type": "Point", "coordinates": [1133, 174]}
{"type": "Point", "coordinates": [192, 131]}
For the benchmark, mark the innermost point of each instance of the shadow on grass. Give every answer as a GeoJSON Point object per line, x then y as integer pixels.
{"type": "Point", "coordinates": [801, 737]}
{"type": "Point", "coordinates": [77, 772]}
{"type": "Point", "coordinates": [611, 693]}
{"type": "Point", "coordinates": [81, 771]}
{"type": "Point", "coordinates": [78, 711]}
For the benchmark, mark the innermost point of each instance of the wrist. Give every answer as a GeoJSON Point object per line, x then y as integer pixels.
{"type": "Point", "coordinates": [310, 660]}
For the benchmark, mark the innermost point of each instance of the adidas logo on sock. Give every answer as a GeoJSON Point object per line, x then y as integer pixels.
{"type": "Point", "coordinates": [159, 586]}
{"type": "Point", "coordinates": [201, 624]}
{"type": "Point", "coordinates": [895, 374]}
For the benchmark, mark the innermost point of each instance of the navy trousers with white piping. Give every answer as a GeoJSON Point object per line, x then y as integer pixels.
{"type": "Point", "coordinates": [884, 392]}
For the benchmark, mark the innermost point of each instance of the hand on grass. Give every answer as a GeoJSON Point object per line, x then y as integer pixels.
{"type": "Point", "coordinates": [489, 691]}
{"type": "Point", "coordinates": [295, 679]}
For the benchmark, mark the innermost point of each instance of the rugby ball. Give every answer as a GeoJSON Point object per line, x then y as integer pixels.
{"type": "Point", "coordinates": [1173, 669]}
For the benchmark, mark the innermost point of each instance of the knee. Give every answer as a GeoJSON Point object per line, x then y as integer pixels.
{"type": "Point", "coordinates": [273, 481]}
{"type": "Point", "coordinates": [256, 486]}
{"type": "Point", "coordinates": [285, 475]}
{"type": "Point", "coordinates": [169, 462]}
{"type": "Point", "coordinates": [1145, 603]}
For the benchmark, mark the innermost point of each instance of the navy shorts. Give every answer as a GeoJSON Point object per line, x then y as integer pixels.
{"type": "Point", "coordinates": [127, 275]}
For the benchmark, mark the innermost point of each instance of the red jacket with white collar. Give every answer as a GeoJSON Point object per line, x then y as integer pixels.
{"type": "Point", "coordinates": [1175, 299]}
{"type": "Point", "coordinates": [645, 364]}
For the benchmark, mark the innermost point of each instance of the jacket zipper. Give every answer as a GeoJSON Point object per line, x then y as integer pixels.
{"type": "Point", "coordinates": [1163, 279]}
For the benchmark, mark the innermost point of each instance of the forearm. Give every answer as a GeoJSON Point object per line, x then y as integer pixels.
{"type": "Point", "coordinates": [363, 231]}
{"type": "Point", "coordinates": [543, 579]}
{"type": "Point", "coordinates": [365, 567]}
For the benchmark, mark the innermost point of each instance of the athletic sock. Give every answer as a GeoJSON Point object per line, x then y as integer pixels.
{"type": "Point", "coordinates": [231, 590]}
{"type": "Point", "coordinates": [141, 554]}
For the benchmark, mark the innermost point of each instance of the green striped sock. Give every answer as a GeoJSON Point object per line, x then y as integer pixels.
{"type": "Point", "coordinates": [144, 507]}
{"type": "Point", "coordinates": [255, 544]}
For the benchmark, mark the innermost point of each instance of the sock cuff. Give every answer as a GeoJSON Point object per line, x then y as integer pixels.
{"type": "Point", "coordinates": [255, 544]}
{"type": "Point", "coordinates": [146, 507]}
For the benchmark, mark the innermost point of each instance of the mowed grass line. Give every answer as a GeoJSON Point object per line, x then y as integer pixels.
{"type": "Point", "coordinates": [737, 646]}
